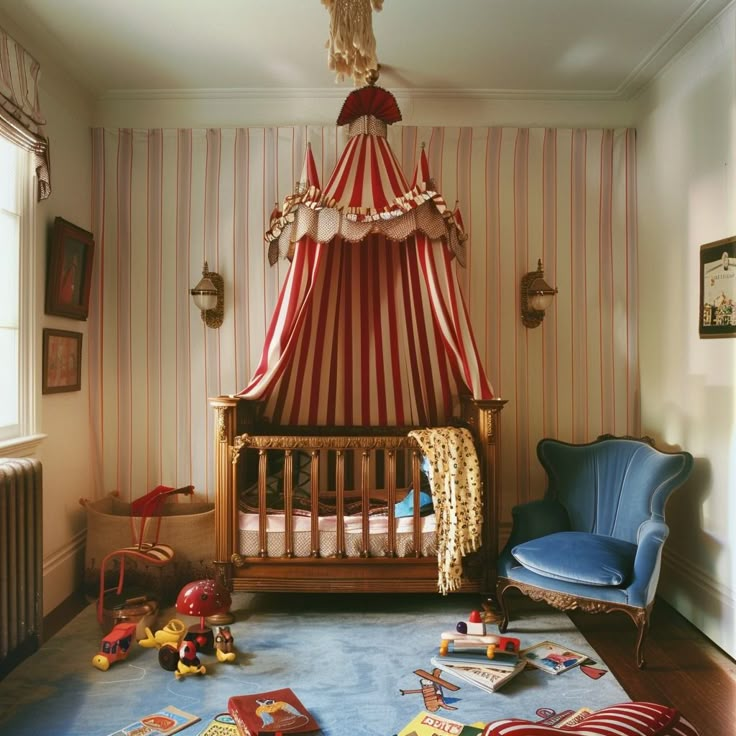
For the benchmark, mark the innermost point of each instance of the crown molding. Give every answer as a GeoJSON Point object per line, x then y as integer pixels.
{"type": "Point", "coordinates": [288, 94]}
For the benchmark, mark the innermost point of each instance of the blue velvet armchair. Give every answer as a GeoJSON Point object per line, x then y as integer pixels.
{"type": "Point", "coordinates": [595, 540]}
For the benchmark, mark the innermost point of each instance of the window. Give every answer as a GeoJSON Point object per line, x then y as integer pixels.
{"type": "Point", "coordinates": [18, 367]}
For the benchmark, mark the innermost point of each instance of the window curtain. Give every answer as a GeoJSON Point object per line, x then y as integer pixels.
{"type": "Point", "coordinates": [21, 120]}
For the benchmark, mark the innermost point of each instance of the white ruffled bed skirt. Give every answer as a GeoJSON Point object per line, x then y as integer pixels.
{"type": "Point", "coordinates": [302, 547]}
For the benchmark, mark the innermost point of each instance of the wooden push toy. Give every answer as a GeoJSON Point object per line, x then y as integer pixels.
{"type": "Point", "coordinates": [470, 637]}
{"type": "Point", "coordinates": [224, 645]}
{"type": "Point", "coordinates": [115, 647]}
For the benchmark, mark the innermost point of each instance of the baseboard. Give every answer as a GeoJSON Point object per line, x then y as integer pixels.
{"type": "Point", "coordinates": [63, 572]}
{"type": "Point", "coordinates": [704, 601]}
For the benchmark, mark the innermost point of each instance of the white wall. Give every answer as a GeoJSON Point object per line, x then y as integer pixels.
{"type": "Point", "coordinates": [65, 453]}
{"type": "Point", "coordinates": [198, 110]}
{"type": "Point", "coordinates": [687, 184]}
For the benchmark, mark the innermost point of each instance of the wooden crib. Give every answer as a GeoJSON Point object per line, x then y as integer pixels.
{"type": "Point", "coordinates": [314, 509]}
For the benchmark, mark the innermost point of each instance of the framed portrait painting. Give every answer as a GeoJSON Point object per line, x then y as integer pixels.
{"type": "Point", "coordinates": [718, 288]}
{"type": "Point", "coordinates": [62, 361]}
{"type": "Point", "coordinates": [69, 274]}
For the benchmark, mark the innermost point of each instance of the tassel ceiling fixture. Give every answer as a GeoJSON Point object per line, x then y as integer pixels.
{"type": "Point", "coordinates": [352, 45]}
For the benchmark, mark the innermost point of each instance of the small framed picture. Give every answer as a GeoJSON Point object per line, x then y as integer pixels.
{"type": "Point", "coordinates": [62, 361]}
{"type": "Point", "coordinates": [718, 288]}
{"type": "Point", "coordinates": [552, 657]}
{"type": "Point", "coordinates": [69, 274]}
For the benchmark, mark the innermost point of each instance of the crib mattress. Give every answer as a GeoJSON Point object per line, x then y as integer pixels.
{"type": "Point", "coordinates": [302, 547]}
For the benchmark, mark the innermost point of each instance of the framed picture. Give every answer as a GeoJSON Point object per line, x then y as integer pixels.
{"type": "Point", "coordinates": [718, 288]}
{"type": "Point", "coordinates": [69, 274]}
{"type": "Point", "coordinates": [62, 361]}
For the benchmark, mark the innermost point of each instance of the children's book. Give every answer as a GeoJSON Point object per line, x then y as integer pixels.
{"type": "Point", "coordinates": [429, 724]}
{"type": "Point", "coordinates": [275, 711]}
{"type": "Point", "coordinates": [165, 721]}
{"type": "Point", "coordinates": [551, 657]}
{"type": "Point", "coordinates": [222, 724]}
{"type": "Point", "coordinates": [485, 677]}
{"type": "Point", "coordinates": [500, 660]}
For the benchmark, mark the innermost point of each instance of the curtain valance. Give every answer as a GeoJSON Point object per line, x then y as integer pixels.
{"type": "Point", "coordinates": [21, 120]}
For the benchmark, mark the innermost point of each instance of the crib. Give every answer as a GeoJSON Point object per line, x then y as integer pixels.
{"type": "Point", "coordinates": [369, 367]}
{"type": "Point", "coordinates": [327, 520]}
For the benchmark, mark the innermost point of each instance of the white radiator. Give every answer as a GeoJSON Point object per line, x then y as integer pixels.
{"type": "Point", "coordinates": [21, 558]}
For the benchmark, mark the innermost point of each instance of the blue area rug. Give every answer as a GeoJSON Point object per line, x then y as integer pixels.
{"type": "Point", "coordinates": [350, 659]}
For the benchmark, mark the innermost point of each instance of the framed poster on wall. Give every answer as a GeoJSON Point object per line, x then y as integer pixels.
{"type": "Point", "coordinates": [718, 288]}
{"type": "Point", "coordinates": [62, 361]}
{"type": "Point", "coordinates": [69, 274]}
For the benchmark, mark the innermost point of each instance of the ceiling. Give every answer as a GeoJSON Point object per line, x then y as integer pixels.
{"type": "Point", "coordinates": [556, 49]}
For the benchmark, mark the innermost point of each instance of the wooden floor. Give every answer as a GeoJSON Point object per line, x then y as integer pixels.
{"type": "Point", "coordinates": [683, 669]}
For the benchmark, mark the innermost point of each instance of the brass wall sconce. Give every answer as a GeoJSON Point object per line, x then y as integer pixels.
{"type": "Point", "coordinates": [209, 296]}
{"type": "Point", "coordinates": [536, 296]}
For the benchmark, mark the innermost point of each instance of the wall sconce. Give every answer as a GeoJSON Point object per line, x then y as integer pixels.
{"type": "Point", "coordinates": [536, 296]}
{"type": "Point", "coordinates": [209, 296]}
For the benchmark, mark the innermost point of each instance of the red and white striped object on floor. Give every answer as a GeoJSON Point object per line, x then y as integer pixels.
{"type": "Point", "coordinates": [625, 719]}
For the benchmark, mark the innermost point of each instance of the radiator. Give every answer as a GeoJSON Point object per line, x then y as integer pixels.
{"type": "Point", "coordinates": [21, 600]}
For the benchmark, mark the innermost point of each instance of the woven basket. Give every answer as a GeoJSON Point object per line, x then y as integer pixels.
{"type": "Point", "coordinates": [189, 528]}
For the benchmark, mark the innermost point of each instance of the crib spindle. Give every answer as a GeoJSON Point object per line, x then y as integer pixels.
{"type": "Point", "coordinates": [416, 485]}
{"type": "Point", "coordinates": [314, 470]}
{"type": "Point", "coordinates": [288, 504]}
{"type": "Point", "coordinates": [391, 492]}
{"type": "Point", "coordinates": [365, 475]}
{"type": "Point", "coordinates": [262, 506]}
{"type": "Point", "coordinates": [340, 501]}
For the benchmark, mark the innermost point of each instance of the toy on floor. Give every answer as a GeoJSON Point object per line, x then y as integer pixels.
{"type": "Point", "coordinates": [189, 663]}
{"type": "Point", "coordinates": [115, 647]}
{"type": "Point", "coordinates": [474, 624]}
{"type": "Point", "coordinates": [224, 645]}
{"type": "Point", "coordinates": [470, 637]}
{"type": "Point", "coordinates": [451, 641]}
{"type": "Point", "coordinates": [172, 633]}
{"type": "Point", "coordinates": [202, 598]}
{"type": "Point", "coordinates": [167, 641]}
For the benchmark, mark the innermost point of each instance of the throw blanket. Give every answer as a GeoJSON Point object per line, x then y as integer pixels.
{"type": "Point", "coordinates": [456, 495]}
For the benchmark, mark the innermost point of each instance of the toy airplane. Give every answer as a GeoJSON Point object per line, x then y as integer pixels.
{"type": "Point", "coordinates": [172, 633]}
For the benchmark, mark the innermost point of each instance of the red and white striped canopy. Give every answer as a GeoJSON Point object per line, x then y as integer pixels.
{"type": "Point", "coordinates": [370, 328]}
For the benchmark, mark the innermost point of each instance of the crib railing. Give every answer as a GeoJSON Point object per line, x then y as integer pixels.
{"type": "Point", "coordinates": [332, 475]}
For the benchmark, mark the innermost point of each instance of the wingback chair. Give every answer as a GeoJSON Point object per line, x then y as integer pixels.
{"type": "Point", "coordinates": [595, 540]}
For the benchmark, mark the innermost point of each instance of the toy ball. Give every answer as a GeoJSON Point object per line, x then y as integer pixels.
{"type": "Point", "coordinates": [462, 627]}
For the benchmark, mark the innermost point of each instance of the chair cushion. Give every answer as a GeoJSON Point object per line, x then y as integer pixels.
{"type": "Point", "coordinates": [578, 557]}
{"type": "Point", "coordinates": [625, 719]}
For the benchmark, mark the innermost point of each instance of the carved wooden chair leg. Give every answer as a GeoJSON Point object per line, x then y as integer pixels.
{"type": "Point", "coordinates": [503, 623]}
{"type": "Point", "coordinates": [641, 619]}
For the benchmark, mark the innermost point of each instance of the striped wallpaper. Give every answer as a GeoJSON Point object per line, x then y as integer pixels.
{"type": "Point", "coordinates": [166, 200]}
